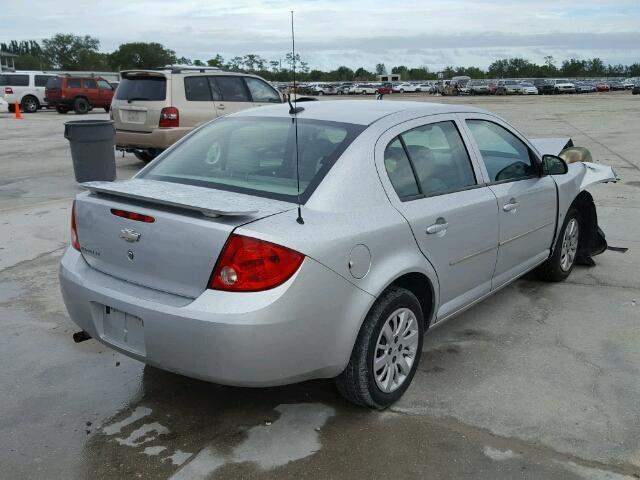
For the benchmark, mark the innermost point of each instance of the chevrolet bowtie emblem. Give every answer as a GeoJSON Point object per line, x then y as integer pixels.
{"type": "Point", "coordinates": [129, 235]}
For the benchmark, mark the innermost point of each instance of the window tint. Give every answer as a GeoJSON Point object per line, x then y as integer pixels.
{"type": "Point", "coordinates": [41, 80]}
{"type": "Point", "coordinates": [54, 82]}
{"type": "Point", "coordinates": [233, 89]}
{"type": "Point", "coordinates": [14, 80]}
{"type": "Point", "coordinates": [196, 89]}
{"type": "Point", "coordinates": [89, 83]}
{"type": "Point", "coordinates": [505, 156]}
{"type": "Point", "coordinates": [257, 156]}
{"type": "Point", "coordinates": [73, 83]}
{"type": "Point", "coordinates": [439, 158]}
{"type": "Point", "coordinates": [150, 88]}
{"type": "Point", "coordinates": [261, 92]}
{"type": "Point", "coordinates": [216, 94]}
{"type": "Point", "coordinates": [104, 85]}
{"type": "Point", "coordinates": [399, 170]}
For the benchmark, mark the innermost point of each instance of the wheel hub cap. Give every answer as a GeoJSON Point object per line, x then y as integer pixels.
{"type": "Point", "coordinates": [396, 350]}
{"type": "Point", "coordinates": [569, 245]}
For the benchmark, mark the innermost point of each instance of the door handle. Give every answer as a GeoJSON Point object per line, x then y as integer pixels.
{"type": "Point", "coordinates": [511, 206]}
{"type": "Point", "coordinates": [440, 226]}
{"type": "Point", "coordinates": [221, 106]}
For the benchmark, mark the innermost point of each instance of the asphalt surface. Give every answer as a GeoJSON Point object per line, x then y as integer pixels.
{"type": "Point", "coordinates": [541, 381]}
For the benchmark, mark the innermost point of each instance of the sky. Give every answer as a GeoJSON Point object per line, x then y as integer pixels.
{"type": "Point", "coordinates": [330, 33]}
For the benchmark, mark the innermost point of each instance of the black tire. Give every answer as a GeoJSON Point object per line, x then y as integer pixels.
{"type": "Point", "coordinates": [357, 382]}
{"type": "Point", "coordinates": [551, 270]}
{"type": "Point", "coordinates": [145, 156]}
{"type": "Point", "coordinates": [81, 106]}
{"type": "Point", "coordinates": [106, 109]}
{"type": "Point", "coordinates": [62, 110]}
{"type": "Point", "coordinates": [29, 104]}
{"type": "Point", "coordinates": [12, 108]}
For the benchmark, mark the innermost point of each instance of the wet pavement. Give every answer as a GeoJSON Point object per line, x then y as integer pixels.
{"type": "Point", "coordinates": [539, 381]}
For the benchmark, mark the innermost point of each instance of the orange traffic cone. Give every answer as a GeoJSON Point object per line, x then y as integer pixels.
{"type": "Point", "coordinates": [18, 114]}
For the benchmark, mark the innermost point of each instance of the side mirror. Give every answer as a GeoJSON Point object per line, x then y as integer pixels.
{"type": "Point", "coordinates": [553, 165]}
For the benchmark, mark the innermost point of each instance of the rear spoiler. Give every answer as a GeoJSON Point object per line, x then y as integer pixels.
{"type": "Point", "coordinates": [207, 201]}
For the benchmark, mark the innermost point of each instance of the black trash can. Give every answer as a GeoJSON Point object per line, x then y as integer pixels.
{"type": "Point", "coordinates": [92, 149]}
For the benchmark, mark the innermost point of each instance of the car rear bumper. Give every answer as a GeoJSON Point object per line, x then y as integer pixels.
{"type": "Point", "coordinates": [300, 330]}
{"type": "Point", "coordinates": [159, 138]}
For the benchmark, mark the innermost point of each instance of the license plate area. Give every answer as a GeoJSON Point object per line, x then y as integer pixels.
{"type": "Point", "coordinates": [123, 330]}
{"type": "Point", "coordinates": [133, 116]}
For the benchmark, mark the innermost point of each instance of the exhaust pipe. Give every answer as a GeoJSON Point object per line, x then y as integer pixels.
{"type": "Point", "coordinates": [81, 336]}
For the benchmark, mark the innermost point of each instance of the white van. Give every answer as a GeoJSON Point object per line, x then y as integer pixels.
{"type": "Point", "coordinates": [24, 87]}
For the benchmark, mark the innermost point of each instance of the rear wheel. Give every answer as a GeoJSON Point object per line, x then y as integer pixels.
{"type": "Point", "coordinates": [81, 106]}
{"type": "Point", "coordinates": [387, 351]}
{"type": "Point", "coordinates": [12, 108]}
{"type": "Point", "coordinates": [145, 155]}
{"type": "Point", "coordinates": [29, 104]}
{"type": "Point", "coordinates": [559, 265]}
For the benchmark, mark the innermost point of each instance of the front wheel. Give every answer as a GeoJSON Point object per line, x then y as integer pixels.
{"type": "Point", "coordinates": [387, 351]}
{"type": "Point", "coordinates": [559, 265]}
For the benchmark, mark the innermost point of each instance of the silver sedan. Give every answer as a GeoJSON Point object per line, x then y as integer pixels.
{"type": "Point", "coordinates": [203, 264]}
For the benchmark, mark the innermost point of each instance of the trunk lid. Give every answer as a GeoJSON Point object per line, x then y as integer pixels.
{"type": "Point", "coordinates": [139, 99]}
{"type": "Point", "coordinates": [177, 252]}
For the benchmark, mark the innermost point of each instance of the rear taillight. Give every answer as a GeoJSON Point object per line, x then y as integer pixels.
{"type": "Point", "coordinates": [138, 217]}
{"type": "Point", "coordinates": [8, 91]}
{"type": "Point", "coordinates": [75, 243]}
{"type": "Point", "coordinates": [169, 117]}
{"type": "Point", "coordinates": [249, 265]}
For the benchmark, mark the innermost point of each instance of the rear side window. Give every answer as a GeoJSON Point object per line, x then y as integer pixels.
{"type": "Point", "coordinates": [196, 89]}
{"type": "Point", "coordinates": [89, 83]}
{"type": "Point", "coordinates": [439, 158]}
{"type": "Point", "coordinates": [261, 92]}
{"type": "Point", "coordinates": [143, 87]}
{"type": "Point", "coordinates": [73, 83]}
{"type": "Point", "coordinates": [505, 155]}
{"type": "Point", "coordinates": [54, 82]}
{"type": "Point", "coordinates": [41, 80]}
{"type": "Point", "coordinates": [399, 170]}
{"type": "Point", "coordinates": [232, 89]}
{"type": "Point", "coordinates": [14, 80]}
{"type": "Point", "coordinates": [257, 156]}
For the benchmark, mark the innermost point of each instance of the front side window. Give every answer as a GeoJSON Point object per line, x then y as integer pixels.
{"type": "Point", "coordinates": [232, 89]}
{"type": "Point", "coordinates": [14, 80]}
{"type": "Point", "coordinates": [257, 156]}
{"type": "Point", "coordinates": [104, 85]}
{"type": "Point", "coordinates": [439, 158]}
{"type": "Point", "coordinates": [41, 80]}
{"type": "Point", "coordinates": [73, 83]}
{"type": "Point", "coordinates": [89, 83]}
{"type": "Point", "coordinates": [196, 89]}
{"type": "Point", "coordinates": [399, 170]}
{"type": "Point", "coordinates": [261, 92]}
{"type": "Point", "coordinates": [505, 155]}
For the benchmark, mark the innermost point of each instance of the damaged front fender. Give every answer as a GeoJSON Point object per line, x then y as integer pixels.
{"type": "Point", "coordinates": [594, 173]}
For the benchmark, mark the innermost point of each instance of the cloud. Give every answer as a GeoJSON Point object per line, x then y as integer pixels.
{"type": "Point", "coordinates": [332, 32]}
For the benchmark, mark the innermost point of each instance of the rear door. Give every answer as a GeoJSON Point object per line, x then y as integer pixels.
{"type": "Point", "coordinates": [527, 202]}
{"type": "Point", "coordinates": [199, 101]}
{"type": "Point", "coordinates": [90, 89]}
{"type": "Point", "coordinates": [139, 99]}
{"type": "Point", "coordinates": [433, 182]}
{"type": "Point", "coordinates": [73, 88]}
{"type": "Point", "coordinates": [232, 92]}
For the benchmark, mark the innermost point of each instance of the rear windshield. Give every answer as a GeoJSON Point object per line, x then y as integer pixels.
{"type": "Point", "coordinates": [142, 88]}
{"type": "Point", "coordinates": [257, 156]}
{"type": "Point", "coordinates": [54, 82]}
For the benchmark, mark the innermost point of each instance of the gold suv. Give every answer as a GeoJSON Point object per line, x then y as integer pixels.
{"type": "Point", "coordinates": [154, 108]}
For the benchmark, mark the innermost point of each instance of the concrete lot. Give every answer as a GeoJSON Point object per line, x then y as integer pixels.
{"type": "Point", "coordinates": [539, 381]}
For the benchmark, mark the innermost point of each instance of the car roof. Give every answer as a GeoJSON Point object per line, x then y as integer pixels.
{"type": "Point", "coordinates": [361, 112]}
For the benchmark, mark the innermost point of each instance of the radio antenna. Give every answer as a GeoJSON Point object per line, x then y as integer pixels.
{"type": "Point", "coordinates": [293, 110]}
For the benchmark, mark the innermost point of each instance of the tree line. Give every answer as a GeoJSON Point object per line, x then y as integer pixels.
{"type": "Point", "coordinates": [65, 51]}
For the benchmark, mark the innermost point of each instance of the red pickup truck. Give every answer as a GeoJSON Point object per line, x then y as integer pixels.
{"type": "Point", "coordinates": [79, 94]}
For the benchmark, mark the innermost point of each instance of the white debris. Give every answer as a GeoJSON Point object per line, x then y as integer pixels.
{"type": "Point", "coordinates": [142, 434]}
{"type": "Point", "coordinates": [137, 414]}
{"type": "Point", "coordinates": [499, 455]}
{"type": "Point", "coordinates": [153, 451]}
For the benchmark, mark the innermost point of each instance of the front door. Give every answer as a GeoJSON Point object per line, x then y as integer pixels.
{"type": "Point", "coordinates": [527, 202]}
{"type": "Point", "coordinates": [453, 216]}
